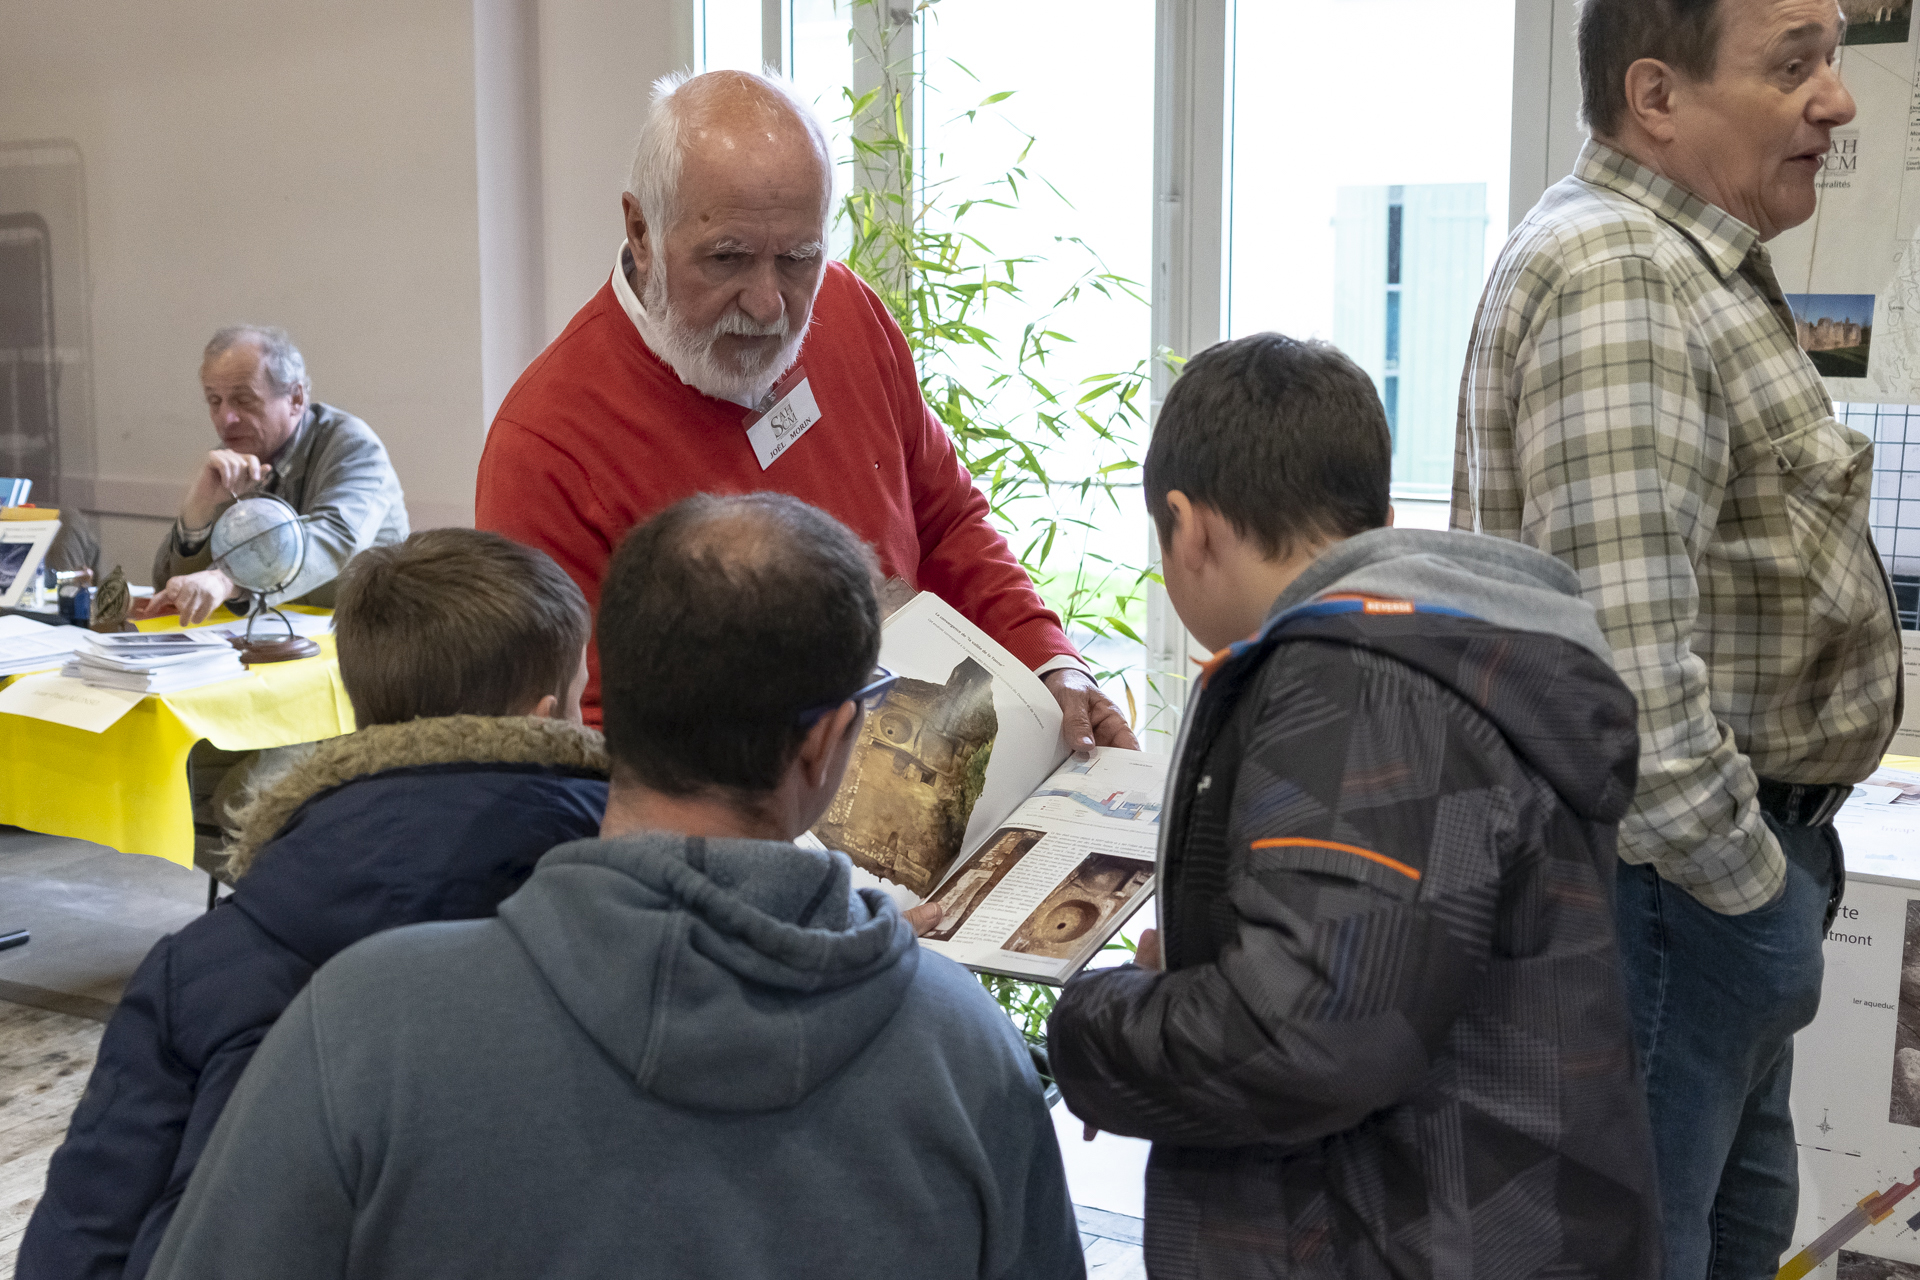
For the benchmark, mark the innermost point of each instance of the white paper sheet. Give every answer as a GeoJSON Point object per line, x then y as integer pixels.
{"type": "Point", "coordinates": [1856, 1137]}
{"type": "Point", "coordinates": [57, 699]}
{"type": "Point", "coordinates": [1879, 831]}
{"type": "Point", "coordinates": [39, 649]}
{"type": "Point", "coordinates": [304, 624]}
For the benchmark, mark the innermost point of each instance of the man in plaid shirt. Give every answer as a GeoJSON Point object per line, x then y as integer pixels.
{"type": "Point", "coordinates": [1635, 403]}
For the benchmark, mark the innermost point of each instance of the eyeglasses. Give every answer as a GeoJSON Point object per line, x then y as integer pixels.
{"type": "Point", "coordinates": [868, 696]}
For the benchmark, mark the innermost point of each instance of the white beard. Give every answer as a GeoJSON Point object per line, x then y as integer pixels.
{"type": "Point", "coordinates": [690, 353]}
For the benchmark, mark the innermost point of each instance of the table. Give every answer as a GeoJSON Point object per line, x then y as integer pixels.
{"type": "Point", "coordinates": [127, 787]}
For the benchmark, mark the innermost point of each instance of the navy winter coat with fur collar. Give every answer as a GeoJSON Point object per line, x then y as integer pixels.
{"type": "Point", "coordinates": [394, 825]}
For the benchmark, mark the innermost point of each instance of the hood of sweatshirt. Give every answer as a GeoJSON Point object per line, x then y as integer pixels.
{"type": "Point", "coordinates": [398, 824]}
{"type": "Point", "coordinates": [1493, 579]}
{"type": "Point", "coordinates": [1529, 652]}
{"type": "Point", "coordinates": [723, 975]}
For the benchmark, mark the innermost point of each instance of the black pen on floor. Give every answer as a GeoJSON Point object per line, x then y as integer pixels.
{"type": "Point", "coordinates": [18, 938]}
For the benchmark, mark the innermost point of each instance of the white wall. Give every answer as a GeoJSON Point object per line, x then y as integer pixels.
{"type": "Point", "coordinates": [598, 61]}
{"type": "Point", "coordinates": [322, 166]}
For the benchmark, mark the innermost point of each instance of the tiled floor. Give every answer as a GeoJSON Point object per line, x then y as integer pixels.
{"type": "Point", "coordinates": [44, 1061]}
{"type": "Point", "coordinates": [93, 914]}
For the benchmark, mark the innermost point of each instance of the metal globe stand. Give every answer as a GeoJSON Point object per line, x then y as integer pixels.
{"type": "Point", "coordinates": [270, 649]}
{"type": "Point", "coordinates": [250, 561]}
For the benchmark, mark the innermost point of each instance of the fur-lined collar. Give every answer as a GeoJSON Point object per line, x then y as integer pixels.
{"type": "Point", "coordinates": [442, 740]}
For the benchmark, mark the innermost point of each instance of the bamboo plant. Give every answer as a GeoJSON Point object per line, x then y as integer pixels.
{"type": "Point", "coordinates": [1042, 450]}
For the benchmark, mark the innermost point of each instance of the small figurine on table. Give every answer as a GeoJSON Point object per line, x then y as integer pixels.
{"type": "Point", "coordinates": [112, 603]}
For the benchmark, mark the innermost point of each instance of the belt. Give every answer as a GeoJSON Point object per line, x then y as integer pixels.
{"type": "Point", "coordinates": [1802, 804]}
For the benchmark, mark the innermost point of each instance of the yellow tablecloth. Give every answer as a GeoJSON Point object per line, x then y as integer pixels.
{"type": "Point", "coordinates": [127, 787]}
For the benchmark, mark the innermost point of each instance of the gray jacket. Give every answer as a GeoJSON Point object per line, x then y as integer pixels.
{"type": "Point", "coordinates": [334, 472]}
{"type": "Point", "coordinates": [667, 1056]}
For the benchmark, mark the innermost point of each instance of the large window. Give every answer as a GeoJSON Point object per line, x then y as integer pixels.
{"type": "Point", "coordinates": [1368, 166]}
{"type": "Point", "coordinates": [1361, 190]}
{"type": "Point", "coordinates": [1054, 172]}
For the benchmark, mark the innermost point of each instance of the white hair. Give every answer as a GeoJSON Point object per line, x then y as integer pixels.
{"type": "Point", "coordinates": [655, 177]}
{"type": "Point", "coordinates": [286, 367]}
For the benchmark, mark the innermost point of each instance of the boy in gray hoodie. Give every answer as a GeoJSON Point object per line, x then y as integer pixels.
{"type": "Point", "coordinates": [687, 1048]}
{"type": "Point", "coordinates": [1389, 1036]}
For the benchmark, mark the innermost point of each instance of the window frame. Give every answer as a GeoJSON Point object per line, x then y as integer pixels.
{"type": "Point", "coordinates": [1192, 172]}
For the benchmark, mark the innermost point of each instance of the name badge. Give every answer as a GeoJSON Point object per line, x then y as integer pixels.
{"type": "Point", "coordinates": [772, 429]}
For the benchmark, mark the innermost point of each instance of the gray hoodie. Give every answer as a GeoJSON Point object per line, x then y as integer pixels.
{"type": "Point", "coordinates": [667, 1056]}
{"type": "Point", "coordinates": [1505, 583]}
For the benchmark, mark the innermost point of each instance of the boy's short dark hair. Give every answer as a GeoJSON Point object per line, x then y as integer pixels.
{"type": "Point", "coordinates": [1284, 438]}
{"type": "Point", "coordinates": [456, 622]}
{"type": "Point", "coordinates": [721, 621]}
{"type": "Point", "coordinates": [1615, 34]}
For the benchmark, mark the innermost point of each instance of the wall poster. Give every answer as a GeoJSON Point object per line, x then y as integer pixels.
{"type": "Point", "coordinates": [1856, 1069]}
{"type": "Point", "coordinates": [1852, 272]}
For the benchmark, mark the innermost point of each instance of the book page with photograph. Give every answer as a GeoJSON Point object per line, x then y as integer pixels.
{"type": "Point", "coordinates": [959, 741]}
{"type": "Point", "coordinates": [1039, 897]}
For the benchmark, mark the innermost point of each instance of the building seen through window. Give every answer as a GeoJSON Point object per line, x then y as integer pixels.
{"type": "Point", "coordinates": [1373, 226]}
{"type": "Point", "coordinates": [1409, 262]}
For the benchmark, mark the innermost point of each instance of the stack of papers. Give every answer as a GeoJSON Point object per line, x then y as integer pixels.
{"type": "Point", "coordinates": [26, 645]}
{"type": "Point", "coordinates": [154, 661]}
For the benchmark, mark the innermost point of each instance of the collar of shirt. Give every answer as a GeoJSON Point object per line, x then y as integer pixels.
{"type": "Point", "coordinates": [1724, 239]}
{"type": "Point", "coordinates": [283, 456]}
{"type": "Point", "coordinates": [642, 322]}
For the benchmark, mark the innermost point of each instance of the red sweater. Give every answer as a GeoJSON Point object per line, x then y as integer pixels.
{"type": "Point", "coordinates": [599, 434]}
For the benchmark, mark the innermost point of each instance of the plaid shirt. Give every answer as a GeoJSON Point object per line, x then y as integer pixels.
{"type": "Point", "coordinates": [1636, 404]}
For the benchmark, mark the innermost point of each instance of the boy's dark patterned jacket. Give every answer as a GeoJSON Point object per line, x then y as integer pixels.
{"type": "Point", "coordinates": [1391, 1038]}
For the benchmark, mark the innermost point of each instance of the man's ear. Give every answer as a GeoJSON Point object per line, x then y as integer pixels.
{"type": "Point", "coordinates": [823, 740]}
{"type": "Point", "coordinates": [1650, 85]}
{"type": "Point", "coordinates": [639, 237]}
{"type": "Point", "coordinates": [548, 708]}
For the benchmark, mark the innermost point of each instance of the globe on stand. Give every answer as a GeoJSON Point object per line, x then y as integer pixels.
{"type": "Point", "coordinates": [261, 543]}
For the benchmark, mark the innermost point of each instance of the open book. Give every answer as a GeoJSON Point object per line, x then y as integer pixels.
{"type": "Point", "coordinates": [961, 791]}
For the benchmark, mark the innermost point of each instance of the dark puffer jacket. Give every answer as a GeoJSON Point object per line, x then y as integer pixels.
{"type": "Point", "coordinates": [396, 824]}
{"type": "Point", "coordinates": [1391, 1039]}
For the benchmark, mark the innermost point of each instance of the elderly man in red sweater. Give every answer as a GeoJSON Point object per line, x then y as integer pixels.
{"type": "Point", "coordinates": [725, 354]}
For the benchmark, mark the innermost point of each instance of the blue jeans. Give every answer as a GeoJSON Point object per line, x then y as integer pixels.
{"type": "Point", "coordinates": [1715, 1002]}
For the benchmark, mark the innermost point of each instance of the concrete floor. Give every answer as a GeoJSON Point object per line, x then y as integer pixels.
{"type": "Point", "coordinates": [93, 914]}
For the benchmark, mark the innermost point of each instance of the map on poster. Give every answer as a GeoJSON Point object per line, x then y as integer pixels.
{"type": "Point", "coordinates": [1852, 273]}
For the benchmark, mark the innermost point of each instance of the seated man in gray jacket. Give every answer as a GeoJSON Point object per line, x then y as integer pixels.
{"type": "Point", "coordinates": [687, 1048]}
{"type": "Point", "coordinates": [275, 439]}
